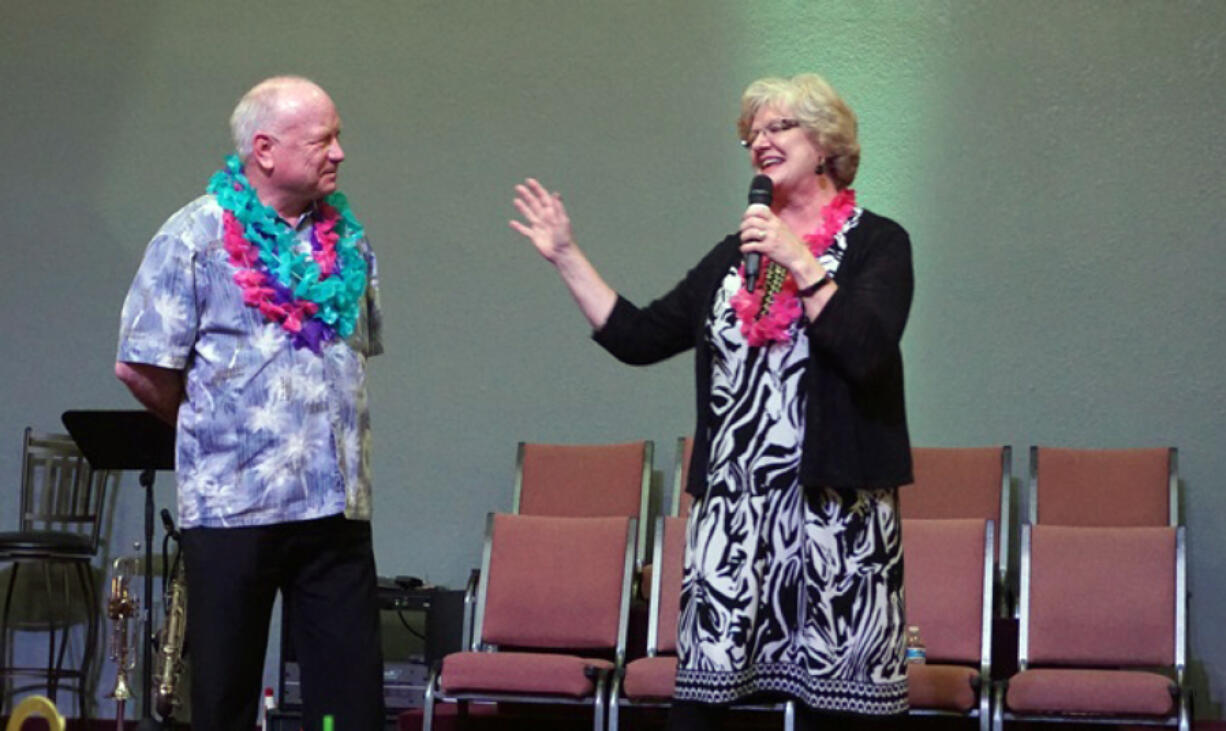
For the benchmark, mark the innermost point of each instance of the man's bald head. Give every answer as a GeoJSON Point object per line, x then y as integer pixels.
{"type": "Point", "coordinates": [262, 106]}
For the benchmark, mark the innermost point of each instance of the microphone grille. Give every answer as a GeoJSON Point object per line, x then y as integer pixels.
{"type": "Point", "coordinates": [761, 189]}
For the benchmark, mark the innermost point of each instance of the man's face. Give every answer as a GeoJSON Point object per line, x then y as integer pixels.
{"type": "Point", "coordinates": [306, 149]}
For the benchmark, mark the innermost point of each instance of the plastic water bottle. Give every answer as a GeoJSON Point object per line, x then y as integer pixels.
{"type": "Point", "coordinates": [917, 653]}
{"type": "Point", "coordinates": [266, 708]}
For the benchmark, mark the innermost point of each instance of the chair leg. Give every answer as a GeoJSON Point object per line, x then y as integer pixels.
{"type": "Point", "coordinates": [427, 714]}
{"type": "Point", "coordinates": [89, 590]}
{"type": "Point", "coordinates": [789, 716]}
{"type": "Point", "coordinates": [598, 701]}
{"type": "Point", "coordinates": [4, 636]}
{"type": "Point", "coordinates": [53, 681]}
{"type": "Point", "coordinates": [985, 702]}
{"type": "Point", "coordinates": [614, 697]}
{"type": "Point", "coordinates": [60, 674]}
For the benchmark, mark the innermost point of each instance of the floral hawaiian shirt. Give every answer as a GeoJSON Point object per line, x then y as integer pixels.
{"type": "Point", "coordinates": [267, 433]}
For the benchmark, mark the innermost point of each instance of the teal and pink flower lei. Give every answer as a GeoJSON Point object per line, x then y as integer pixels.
{"type": "Point", "coordinates": [767, 315]}
{"type": "Point", "coordinates": [314, 296]}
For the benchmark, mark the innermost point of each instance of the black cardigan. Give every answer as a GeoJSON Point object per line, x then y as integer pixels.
{"type": "Point", "coordinates": [855, 422]}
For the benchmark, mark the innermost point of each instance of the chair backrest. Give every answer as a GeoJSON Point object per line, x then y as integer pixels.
{"type": "Point", "coordinates": [948, 585]}
{"type": "Point", "coordinates": [550, 582]}
{"type": "Point", "coordinates": [1102, 596]}
{"type": "Point", "coordinates": [682, 500]}
{"type": "Point", "coordinates": [59, 491]}
{"type": "Point", "coordinates": [962, 482]}
{"type": "Point", "coordinates": [1105, 487]}
{"type": "Point", "coordinates": [585, 480]}
{"type": "Point", "coordinates": [668, 556]}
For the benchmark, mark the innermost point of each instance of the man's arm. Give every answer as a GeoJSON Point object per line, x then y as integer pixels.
{"type": "Point", "coordinates": [159, 389]}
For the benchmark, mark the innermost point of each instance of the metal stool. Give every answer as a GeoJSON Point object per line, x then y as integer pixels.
{"type": "Point", "coordinates": [61, 506]}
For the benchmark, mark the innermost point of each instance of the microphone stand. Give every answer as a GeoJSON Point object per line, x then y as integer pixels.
{"type": "Point", "coordinates": [147, 721]}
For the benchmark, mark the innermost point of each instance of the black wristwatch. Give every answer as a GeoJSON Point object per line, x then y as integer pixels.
{"type": "Point", "coordinates": [813, 288]}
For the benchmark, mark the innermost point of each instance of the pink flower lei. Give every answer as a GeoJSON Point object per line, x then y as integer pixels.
{"type": "Point", "coordinates": [767, 315]}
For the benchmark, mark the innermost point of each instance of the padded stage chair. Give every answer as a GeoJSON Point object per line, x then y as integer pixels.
{"type": "Point", "coordinates": [61, 510]}
{"type": "Point", "coordinates": [586, 480]}
{"type": "Point", "coordinates": [1121, 487]}
{"type": "Point", "coordinates": [552, 608]}
{"type": "Point", "coordinates": [949, 582]}
{"type": "Point", "coordinates": [965, 482]}
{"type": "Point", "coordinates": [577, 480]}
{"type": "Point", "coordinates": [1103, 628]}
{"type": "Point", "coordinates": [648, 682]}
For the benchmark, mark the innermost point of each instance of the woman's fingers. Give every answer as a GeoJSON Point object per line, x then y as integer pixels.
{"type": "Point", "coordinates": [544, 218]}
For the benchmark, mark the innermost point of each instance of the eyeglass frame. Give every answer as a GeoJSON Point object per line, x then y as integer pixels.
{"type": "Point", "coordinates": [772, 128]}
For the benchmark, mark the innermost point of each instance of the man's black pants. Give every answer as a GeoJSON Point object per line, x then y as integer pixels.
{"type": "Point", "coordinates": [325, 570]}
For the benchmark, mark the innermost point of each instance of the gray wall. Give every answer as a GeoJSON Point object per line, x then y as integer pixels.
{"type": "Point", "coordinates": [1057, 165]}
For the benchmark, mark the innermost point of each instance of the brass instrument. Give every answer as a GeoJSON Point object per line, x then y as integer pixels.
{"type": "Point", "coordinates": [122, 608]}
{"type": "Point", "coordinates": [36, 706]}
{"type": "Point", "coordinates": [170, 644]}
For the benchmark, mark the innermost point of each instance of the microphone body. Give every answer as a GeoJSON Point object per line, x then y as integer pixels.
{"type": "Point", "coordinates": [761, 190]}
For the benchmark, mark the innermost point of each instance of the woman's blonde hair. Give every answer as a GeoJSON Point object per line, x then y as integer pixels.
{"type": "Point", "coordinates": [823, 114]}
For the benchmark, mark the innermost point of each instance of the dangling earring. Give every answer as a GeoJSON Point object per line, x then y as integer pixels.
{"type": "Point", "coordinates": [821, 168]}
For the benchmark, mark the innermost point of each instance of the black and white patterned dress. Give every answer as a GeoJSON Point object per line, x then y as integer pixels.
{"type": "Point", "coordinates": [785, 594]}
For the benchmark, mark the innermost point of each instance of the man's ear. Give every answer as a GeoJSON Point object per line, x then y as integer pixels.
{"type": "Point", "coordinates": [261, 150]}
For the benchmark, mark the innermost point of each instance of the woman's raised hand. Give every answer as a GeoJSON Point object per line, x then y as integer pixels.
{"type": "Point", "coordinates": [547, 225]}
{"type": "Point", "coordinates": [548, 228]}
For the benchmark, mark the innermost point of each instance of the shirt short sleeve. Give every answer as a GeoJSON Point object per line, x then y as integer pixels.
{"type": "Point", "coordinates": [159, 322]}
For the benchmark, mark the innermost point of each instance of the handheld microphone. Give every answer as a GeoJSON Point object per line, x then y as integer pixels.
{"type": "Point", "coordinates": [760, 191]}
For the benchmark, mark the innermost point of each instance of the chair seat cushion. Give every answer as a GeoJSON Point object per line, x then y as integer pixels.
{"type": "Point", "coordinates": [1124, 692]}
{"type": "Point", "coordinates": [650, 678]}
{"type": "Point", "coordinates": [45, 542]}
{"type": "Point", "coordinates": [945, 687]}
{"type": "Point", "coordinates": [520, 672]}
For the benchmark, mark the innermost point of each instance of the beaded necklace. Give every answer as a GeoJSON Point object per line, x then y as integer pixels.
{"type": "Point", "coordinates": [767, 315]}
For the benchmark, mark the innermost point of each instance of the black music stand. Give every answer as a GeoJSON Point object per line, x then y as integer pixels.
{"type": "Point", "coordinates": [130, 440]}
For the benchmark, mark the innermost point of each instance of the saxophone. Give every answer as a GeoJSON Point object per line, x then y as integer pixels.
{"type": "Point", "coordinates": [170, 641]}
{"type": "Point", "coordinates": [122, 608]}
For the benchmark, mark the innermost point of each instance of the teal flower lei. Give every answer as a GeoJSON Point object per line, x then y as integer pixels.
{"type": "Point", "coordinates": [313, 295]}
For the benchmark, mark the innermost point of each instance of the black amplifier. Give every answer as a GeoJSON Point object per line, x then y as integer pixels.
{"type": "Point", "coordinates": [419, 626]}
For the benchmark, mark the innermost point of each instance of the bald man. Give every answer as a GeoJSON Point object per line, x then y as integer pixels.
{"type": "Point", "coordinates": [248, 326]}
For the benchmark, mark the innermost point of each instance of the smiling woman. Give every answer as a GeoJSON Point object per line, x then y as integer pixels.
{"type": "Point", "coordinates": [813, 104]}
{"type": "Point", "coordinates": [793, 569]}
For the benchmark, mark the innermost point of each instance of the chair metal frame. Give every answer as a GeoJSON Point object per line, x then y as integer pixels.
{"type": "Point", "coordinates": [1032, 496]}
{"type": "Point", "coordinates": [984, 710]}
{"type": "Point", "coordinates": [69, 494]}
{"type": "Point", "coordinates": [1182, 717]}
{"type": "Point", "coordinates": [617, 701]}
{"type": "Point", "coordinates": [598, 700]}
{"type": "Point", "coordinates": [680, 471]}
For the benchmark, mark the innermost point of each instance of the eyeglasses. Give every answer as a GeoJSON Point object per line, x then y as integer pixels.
{"type": "Point", "coordinates": [770, 129]}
